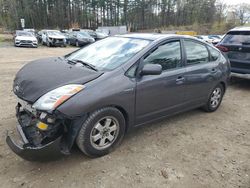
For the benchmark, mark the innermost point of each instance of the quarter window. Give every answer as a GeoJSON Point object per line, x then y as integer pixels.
{"type": "Point", "coordinates": [214, 54]}
{"type": "Point", "coordinates": [196, 53]}
{"type": "Point", "coordinates": [167, 55]}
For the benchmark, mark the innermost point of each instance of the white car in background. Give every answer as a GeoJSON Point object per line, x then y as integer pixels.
{"type": "Point", "coordinates": [205, 38]}
{"type": "Point", "coordinates": [53, 38]}
{"type": "Point", "coordinates": [25, 39]}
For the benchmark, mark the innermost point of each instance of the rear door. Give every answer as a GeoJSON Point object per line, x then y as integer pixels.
{"type": "Point", "coordinates": [237, 45]}
{"type": "Point", "coordinates": [201, 72]}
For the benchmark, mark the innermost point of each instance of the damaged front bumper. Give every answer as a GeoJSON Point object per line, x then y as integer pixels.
{"type": "Point", "coordinates": [37, 144]}
{"type": "Point", "coordinates": [47, 152]}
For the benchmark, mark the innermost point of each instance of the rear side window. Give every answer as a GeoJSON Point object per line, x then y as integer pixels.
{"type": "Point", "coordinates": [237, 38]}
{"type": "Point", "coordinates": [214, 54]}
{"type": "Point", "coordinates": [167, 55]}
{"type": "Point", "coordinates": [196, 52]}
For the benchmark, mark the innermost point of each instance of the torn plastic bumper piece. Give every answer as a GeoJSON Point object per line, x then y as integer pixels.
{"type": "Point", "coordinates": [47, 152]}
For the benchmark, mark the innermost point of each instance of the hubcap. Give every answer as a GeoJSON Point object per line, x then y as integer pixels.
{"type": "Point", "coordinates": [104, 133]}
{"type": "Point", "coordinates": [215, 98]}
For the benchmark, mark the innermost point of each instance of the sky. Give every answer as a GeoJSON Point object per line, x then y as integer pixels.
{"type": "Point", "coordinates": [233, 2]}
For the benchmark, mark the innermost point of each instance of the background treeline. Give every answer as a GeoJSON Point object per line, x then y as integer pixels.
{"type": "Point", "coordinates": [136, 14]}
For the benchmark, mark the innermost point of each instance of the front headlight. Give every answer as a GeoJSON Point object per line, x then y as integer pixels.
{"type": "Point", "coordinates": [56, 97]}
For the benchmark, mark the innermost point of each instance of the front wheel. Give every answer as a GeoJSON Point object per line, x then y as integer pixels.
{"type": "Point", "coordinates": [77, 43]}
{"type": "Point", "coordinates": [102, 131]}
{"type": "Point", "coordinates": [48, 43]}
{"type": "Point", "coordinates": [215, 99]}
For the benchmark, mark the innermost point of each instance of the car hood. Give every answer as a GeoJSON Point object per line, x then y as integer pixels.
{"type": "Point", "coordinates": [26, 38]}
{"type": "Point", "coordinates": [41, 76]}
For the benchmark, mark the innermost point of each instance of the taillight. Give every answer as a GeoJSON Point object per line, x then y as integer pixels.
{"type": "Point", "coordinates": [222, 48]}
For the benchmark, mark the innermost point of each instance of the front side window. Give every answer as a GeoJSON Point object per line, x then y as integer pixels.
{"type": "Point", "coordinates": [167, 55]}
{"type": "Point", "coordinates": [196, 52]}
{"type": "Point", "coordinates": [109, 53]}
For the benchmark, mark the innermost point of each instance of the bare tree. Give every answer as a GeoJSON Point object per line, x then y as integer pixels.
{"type": "Point", "coordinates": [242, 12]}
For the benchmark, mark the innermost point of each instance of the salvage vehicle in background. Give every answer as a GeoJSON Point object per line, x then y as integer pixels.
{"type": "Point", "coordinates": [79, 38]}
{"type": "Point", "coordinates": [25, 39]}
{"type": "Point", "coordinates": [95, 95]}
{"type": "Point", "coordinates": [236, 45]}
{"type": "Point", "coordinates": [53, 38]}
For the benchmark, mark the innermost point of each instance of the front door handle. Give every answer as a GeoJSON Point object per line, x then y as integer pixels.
{"type": "Point", "coordinates": [213, 70]}
{"type": "Point", "coordinates": [180, 80]}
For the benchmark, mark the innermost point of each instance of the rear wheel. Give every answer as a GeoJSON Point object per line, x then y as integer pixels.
{"type": "Point", "coordinates": [215, 99]}
{"type": "Point", "coordinates": [101, 132]}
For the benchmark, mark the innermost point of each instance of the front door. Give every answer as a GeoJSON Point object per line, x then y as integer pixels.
{"type": "Point", "coordinates": [160, 95]}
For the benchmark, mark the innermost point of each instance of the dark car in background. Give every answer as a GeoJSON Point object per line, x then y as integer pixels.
{"type": "Point", "coordinates": [80, 38]}
{"type": "Point", "coordinates": [236, 45]}
{"type": "Point", "coordinates": [95, 95]}
{"type": "Point", "coordinates": [90, 32]}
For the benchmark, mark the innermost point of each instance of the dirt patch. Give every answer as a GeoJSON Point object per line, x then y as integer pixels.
{"type": "Point", "coordinates": [193, 149]}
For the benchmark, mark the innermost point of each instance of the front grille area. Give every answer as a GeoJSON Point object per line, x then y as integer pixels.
{"type": "Point", "coordinates": [57, 40]}
{"type": "Point", "coordinates": [26, 41]}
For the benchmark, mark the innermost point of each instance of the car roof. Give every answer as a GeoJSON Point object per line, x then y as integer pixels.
{"type": "Point", "coordinates": [153, 36]}
{"type": "Point", "coordinates": [240, 29]}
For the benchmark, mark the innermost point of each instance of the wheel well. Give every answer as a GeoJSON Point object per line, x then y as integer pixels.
{"type": "Point", "coordinates": [125, 114]}
{"type": "Point", "coordinates": [224, 85]}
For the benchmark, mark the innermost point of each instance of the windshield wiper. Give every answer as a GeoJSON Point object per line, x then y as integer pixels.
{"type": "Point", "coordinates": [83, 63]}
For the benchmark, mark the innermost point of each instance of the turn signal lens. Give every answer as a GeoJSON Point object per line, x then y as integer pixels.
{"type": "Point", "coordinates": [42, 126]}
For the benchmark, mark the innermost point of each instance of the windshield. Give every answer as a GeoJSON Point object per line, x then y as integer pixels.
{"type": "Point", "coordinates": [24, 34]}
{"type": "Point", "coordinates": [109, 53]}
{"type": "Point", "coordinates": [83, 34]}
{"type": "Point", "coordinates": [54, 33]}
{"type": "Point", "coordinates": [237, 38]}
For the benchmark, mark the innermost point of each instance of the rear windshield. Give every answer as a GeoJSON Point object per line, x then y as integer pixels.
{"type": "Point", "coordinates": [237, 38]}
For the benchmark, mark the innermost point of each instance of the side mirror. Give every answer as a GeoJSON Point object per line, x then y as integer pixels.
{"type": "Point", "coordinates": [151, 69]}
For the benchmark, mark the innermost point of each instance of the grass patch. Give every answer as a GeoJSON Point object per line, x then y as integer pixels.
{"type": "Point", "coordinates": [6, 38]}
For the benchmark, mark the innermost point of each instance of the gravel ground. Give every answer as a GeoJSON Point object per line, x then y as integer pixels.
{"type": "Point", "coordinates": [193, 149]}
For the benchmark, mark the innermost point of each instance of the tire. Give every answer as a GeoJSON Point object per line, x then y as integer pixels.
{"type": "Point", "coordinates": [92, 142]}
{"type": "Point", "coordinates": [216, 95]}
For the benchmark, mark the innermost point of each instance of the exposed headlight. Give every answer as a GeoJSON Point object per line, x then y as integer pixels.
{"type": "Point", "coordinates": [56, 97]}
